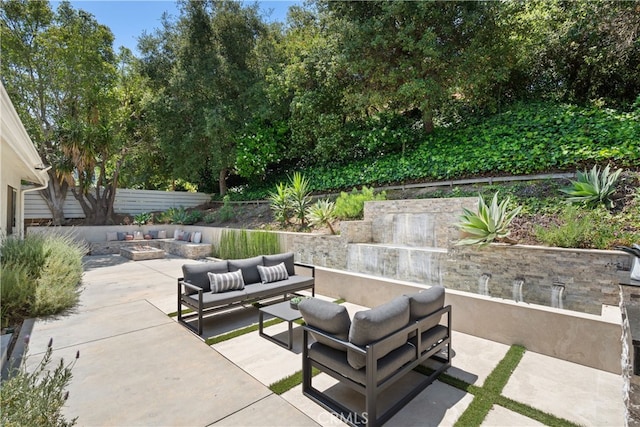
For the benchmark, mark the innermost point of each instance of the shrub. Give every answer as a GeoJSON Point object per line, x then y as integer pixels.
{"type": "Point", "coordinates": [281, 203]}
{"type": "Point", "coordinates": [142, 218]}
{"type": "Point", "coordinates": [210, 217]}
{"type": "Point", "coordinates": [194, 216]}
{"type": "Point", "coordinates": [226, 212]}
{"type": "Point", "coordinates": [351, 205]}
{"type": "Point", "coordinates": [236, 244]}
{"type": "Point", "coordinates": [489, 223]}
{"type": "Point", "coordinates": [593, 188]}
{"type": "Point", "coordinates": [322, 213]}
{"type": "Point", "coordinates": [17, 294]}
{"type": "Point", "coordinates": [299, 196]}
{"type": "Point", "coordinates": [36, 398]}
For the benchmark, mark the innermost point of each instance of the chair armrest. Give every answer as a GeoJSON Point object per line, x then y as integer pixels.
{"type": "Point", "coordinates": [182, 282]}
{"type": "Point", "coordinates": [332, 338]}
{"type": "Point", "coordinates": [309, 266]}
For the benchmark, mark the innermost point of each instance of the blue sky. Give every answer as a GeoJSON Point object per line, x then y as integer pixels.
{"type": "Point", "coordinates": [128, 18]}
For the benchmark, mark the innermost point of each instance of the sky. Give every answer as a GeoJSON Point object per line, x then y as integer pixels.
{"type": "Point", "coordinates": [128, 19]}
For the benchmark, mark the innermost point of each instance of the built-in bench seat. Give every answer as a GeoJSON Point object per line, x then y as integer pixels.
{"type": "Point", "coordinates": [180, 248]}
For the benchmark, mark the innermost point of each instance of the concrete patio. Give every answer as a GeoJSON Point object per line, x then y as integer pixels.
{"type": "Point", "coordinates": [138, 366]}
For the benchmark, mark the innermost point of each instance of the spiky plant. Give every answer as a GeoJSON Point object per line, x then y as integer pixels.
{"type": "Point", "coordinates": [322, 213]}
{"type": "Point", "coordinates": [299, 196]}
{"type": "Point", "coordinates": [281, 203]}
{"type": "Point", "coordinates": [593, 188]}
{"type": "Point", "coordinates": [489, 223]}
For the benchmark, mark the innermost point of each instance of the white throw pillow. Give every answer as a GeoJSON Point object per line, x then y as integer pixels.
{"type": "Point", "coordinates": [196, 237]}
{"type": "Point", "coordinates": [222, 282]}
{"type": "Point", "coordinates": [274, 273]}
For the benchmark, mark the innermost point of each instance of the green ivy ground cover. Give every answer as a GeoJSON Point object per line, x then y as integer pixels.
{"type": "Point", "coordinates": [527, 139]}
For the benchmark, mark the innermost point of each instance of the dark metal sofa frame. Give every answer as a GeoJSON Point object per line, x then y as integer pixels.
{"type": "Point", "coordinates": [200, 309]}
{"type": "Point", "coordinates": [372, 387]}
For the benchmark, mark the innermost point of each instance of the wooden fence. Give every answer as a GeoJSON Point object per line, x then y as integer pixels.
{"type": "Point", "coordinates": [129, 202]}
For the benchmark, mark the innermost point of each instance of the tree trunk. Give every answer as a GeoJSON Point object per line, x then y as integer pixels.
{"type": "Point", "coordinates": [222, 181]}
{"type": "Point", "coordinates": [54, 196]}
{"type": "Point", "coordinates": [427, 120]}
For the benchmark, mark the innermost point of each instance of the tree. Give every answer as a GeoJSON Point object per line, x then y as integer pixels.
{"type": "Point", "coordinates": [209, 96]}
{"type": "Point", "coordinates": [60, 70]}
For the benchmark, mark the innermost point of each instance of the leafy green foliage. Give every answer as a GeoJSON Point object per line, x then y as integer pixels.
{"type": "Point", "coordinates": [489, 223]}
{"type": "Point", "coordinates": [236, 244]}
{"type": "Point", "coordinates": [36, 398]}
{"type": "Point", "coordinates": [40, 275]}
{"type": "Point", "coordinates": [593, 188]}
{"type": "Point", "coordinates": [299, 196]}
{"type": "Point", "coordinates": [142, 218]}
{"type": "Point", "coordinates": [322, 213]}
{"type": "Point", "coordinates": [281, 203]}
{"type": "Point", "coordinates": [351, 205]}
{"type": "Point", "coordinates": [226, 212]}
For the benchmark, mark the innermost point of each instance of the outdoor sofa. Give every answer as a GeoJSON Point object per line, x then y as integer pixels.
{"type": "Point", "coordinates": [375, 349]}
{"type": "Point", "coordinates": [211, 286]}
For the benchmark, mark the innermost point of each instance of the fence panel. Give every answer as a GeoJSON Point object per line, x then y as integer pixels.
{"type": "Point", "coordinates": [127, 201]}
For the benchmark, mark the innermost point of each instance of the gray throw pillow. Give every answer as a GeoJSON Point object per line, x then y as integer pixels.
{"type": "Point", "coordinates": [223, 282]}
{"type": "Point", "coordinates": [332, 318]}
{"type": "Point", "coordinates": [154, 234]}
{"type": "Point", "coordinates": [372, 325]}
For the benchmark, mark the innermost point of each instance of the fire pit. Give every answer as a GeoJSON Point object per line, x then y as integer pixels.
{"type": "Point", "coordinates": [140, 253]}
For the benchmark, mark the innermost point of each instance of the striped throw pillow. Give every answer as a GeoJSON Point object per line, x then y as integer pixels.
{"type": "Point", "coordinates": [274, 273]}
{"type": "Point", "coordinates": [222, 282]}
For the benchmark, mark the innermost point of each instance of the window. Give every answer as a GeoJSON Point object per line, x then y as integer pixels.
{"type": "Point", "coordinates": [12, 195]}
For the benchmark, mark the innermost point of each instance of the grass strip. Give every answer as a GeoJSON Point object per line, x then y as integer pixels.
{"type": "Point", "coordinates": [287, 383]}
{"type": "Point", "coordinates": [533, 413]}
{"type": "Point", "coordinates": [175, 313]}
{"type": "Point", "coordinates": [498, 378]}
{"type": "Point", "coordinates": [238, 332]}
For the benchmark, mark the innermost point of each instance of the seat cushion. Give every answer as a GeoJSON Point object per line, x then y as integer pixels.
{"type": "Point", "coordinates": [210, 299]}
{"type": "Point", "coordinates": [332, 318]}
{"type": "Point", "coordinates": [430, 337]}
{"type": "Point", "coordinates": [273, 273]}
{"type": "Point", "coordinates": [287, 258]}
{"type": "Point", "coordinates": [337, 361]}
{"type": "Point", "coordinates": [196, 274]}
{"type": "Point", "coordinates": [372, 325]}
{"type": "Point", "coordinates": [426, 302]}
{"type": "Point", "coordinates": [249, 268]}
{"type": "Point", "coordinates": [292, 284]}
{"type": "Point", "coordinates": [223, 282]}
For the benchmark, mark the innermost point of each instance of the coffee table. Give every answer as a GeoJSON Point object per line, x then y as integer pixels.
{"type": "Point", "coordinates": [281, 310]}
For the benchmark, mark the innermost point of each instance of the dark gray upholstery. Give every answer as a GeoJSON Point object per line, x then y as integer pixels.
{"type": "Point", "coordinates": [196, 274]}
{"type": "Point", "coordinates": [212, 300]}
{"type": "Point", "coordinates": [372, 325]}
{"type": "Point", "coordinates": [430, 337]}
{"type": "Point", "coordinates": [249, 267]}
{"type": "Point", "coordinates": [287, 258]}
{"type": "Point", "coordinates": [293, 283]}
{"type": "Point", "coordinates": [330, 317]}
{"type": "Point", "coordinates": [337, 360]}
{"type": "Point", "coordinates": [426, 302]}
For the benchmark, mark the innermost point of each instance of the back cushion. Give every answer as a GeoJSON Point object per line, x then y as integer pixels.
{"type": "Point", "coordinates": [426, 302]}
{"type": "Point", "coordinates": [249, 267]}
{"type": "Point", "coordinates": [330, 317]}
{"type": "Point", "coordinates": [371, 325]}
{"type": "Point", "coordinates": [197, 273]}
{"type": "Point", "coordinates": [287, 258]}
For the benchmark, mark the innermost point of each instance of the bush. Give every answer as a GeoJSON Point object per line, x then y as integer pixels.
{"type": "Point", "coordinates": [593, 188]}
{"type": "Point", "coordinates": [237, 244]}
{"type": "Point", "coordinates": [40, 275]}
{"type": "Point", "coordinates": [322, 213]}
{"type": "Point", "coordinates": [351, 205]}
{"type": "Point", "coordinates": [142, 218]}
{"type": "Point", "coordinates": [36, 398]}
{"type": "Point", "coordinates": [226, 212]}
{"type": "Point", "coordinates": [489, 223]}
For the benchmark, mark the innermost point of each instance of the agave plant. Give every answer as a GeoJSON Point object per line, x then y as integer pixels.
{"type": "Point", "coordinates": [594, 187]}
{"type": "Point", "coordinates": [299, 196]}
{"type": "Point", "coordinates": [488, 224]}
{"type": "Point", "coordinates": [142, 218]}
{"type": "Point", "coordinates": [322, 213]}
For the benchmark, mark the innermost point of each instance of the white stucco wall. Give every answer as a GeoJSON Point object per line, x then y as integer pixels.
{"type": "Point", "coordinates": [19, 161]}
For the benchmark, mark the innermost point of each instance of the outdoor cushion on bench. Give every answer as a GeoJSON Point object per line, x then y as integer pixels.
{"type": "Point", "coordinates": [194, 288]}
{"type": "Point", "coordinates": [375, 349]}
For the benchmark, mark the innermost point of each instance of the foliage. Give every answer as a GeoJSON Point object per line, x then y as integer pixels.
{"type": "Point", "coordinates": [593, 188]}
{"type": "Point", "coordinates": [40, 275]}
{"type": "Point", "coordinates": [36, 398]}
{"type": "Point", "coordinates": [351, 205]}
{"type": "Point", "coordinates": [226, 212]}
{"type": "Point", "coordinates": [299, 196]}
{"type": "Point", "coordinates": [180, 215]}
{"type": "Point", "coordinates": [595, 228]}
{"type": "Point", "coordinates": [210, 217]}
{"type": "Point", "coordinates": [322, 213]}
{"type": "Point", "coordinates": [489, 223]}
{"type": "Point", "coordinates": [237, 244]}
{"type": "Point", "coordinates": [142, 218]}
{"type": "Point", "coordinates": [280, 203]}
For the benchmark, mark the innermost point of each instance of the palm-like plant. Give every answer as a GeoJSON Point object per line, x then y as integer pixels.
{"type": "Point", "coordinates": [490, 223]}
{"type": "Point", "coordinates": [281, 203]}
{"type": "Point", "coordinates": [299, 196]}
{"type": "Point", "coordinates": [594, 187]}
{"type": "Point", "coordinates": [322, 213]}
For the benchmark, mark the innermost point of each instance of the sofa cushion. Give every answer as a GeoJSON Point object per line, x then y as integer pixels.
{"type": "Point", "coordinates": [290, 285]}
{"type": "Point", "coordinates": [122, 235]}
{"type": "Point", "coordinates": [196, 237]}
{"type": "Point", "coordinates": [273, 274]}
{"type": "Point", "coordinates": [249, 267]}
{"type": "Point", "coordinates": [223, 282]}
{"type": "Point", "coordinates": [276, 259]}
{"type": "Point", "coordinates": [214, 300]}
{"type": "Point", "coordinates": [426, 302]}
{"type": "Point", "coordinates": [153, 234]}
{"type": "Point", "coordinates": [332, 318]}
{"type": "Point", "coordinates": [372, 325]}
{"type": "Point", "coordinates": [162, 234]}
{"type": "Point", "coordinates": [197, 273]}
{"type": "Point", "coordinates": [112, 236]}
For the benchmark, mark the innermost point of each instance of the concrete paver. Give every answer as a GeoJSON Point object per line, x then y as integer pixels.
{"type": "Point", "coordinates": [270, 411]}
{"type": "Point", "coordinates": [578, 393]}
{"type": "Point", "coordinates": [500, 417]}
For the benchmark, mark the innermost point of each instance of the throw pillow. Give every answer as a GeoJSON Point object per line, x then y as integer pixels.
{"type": "Point", "coordinates": [137, 235]}
{"type": "Point", "coordinates": [153, 234]}
{"type": "Point", "coordinates": [186, 236]}
{"type": "Point", "coordinates": [273, 274]}
{"type": "Point", "coordinates": [222, 282]}
{"type": "Point", "coordinates": [112, 236]}
{"type": "Point", "coordinates": [177, 233]}
{"type": "Point", "coordinates": [122, 235]}
{"type": "Point", "coordinates": [162, 234]}
{"type": "Point", "coordinates": [196, 237]}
